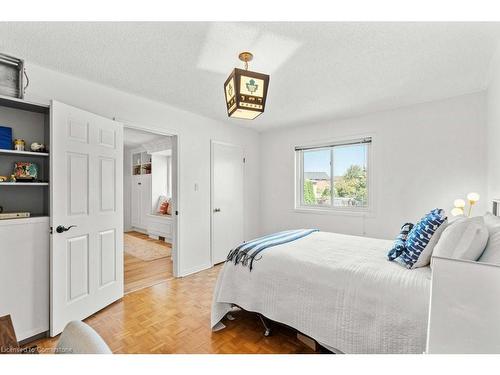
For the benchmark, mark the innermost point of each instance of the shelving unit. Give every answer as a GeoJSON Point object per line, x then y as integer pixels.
{"type": "Point", "coordinates": [25, 153]}
{"type": "Point", "coordinates": [25, 242]}
{"type": "Point", "coordinates": [25, 105]}
{"type": "Point", "coordinates": [29, 121]}
{"type": "Point", "coordinates": [24, 184]}
{"type": "Point", "coordinates": [24, 220]}
{"type": "Point", "coordinates": [141, 163]}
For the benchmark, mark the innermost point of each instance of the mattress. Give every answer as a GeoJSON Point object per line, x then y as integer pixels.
{"type": "Point", "coordinates": [338, 289]}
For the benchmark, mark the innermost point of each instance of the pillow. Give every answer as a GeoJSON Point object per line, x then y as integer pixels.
{"type": "Point", "coordinates": [161, 200]}
{"type": "Point", "coordinates": [465, 239]}
{"type": "Point", "coordinates": [422, 239]}
{"type": "Point", "coordinates": [399, 243]}
{"type": "Point", "coordinates": [169, 208]}
{"type": "Point", "coordinates": [164, 208]}
{"type": "Point", "coordinates": [491, 253]}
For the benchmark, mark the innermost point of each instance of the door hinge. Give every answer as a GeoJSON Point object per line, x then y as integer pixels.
{"type": "Point", "coordinates": [51, 230]}
{"type": "Point", "coordinates": [176, 213]}
{"type": "Point", "coordinates": [244, 160]}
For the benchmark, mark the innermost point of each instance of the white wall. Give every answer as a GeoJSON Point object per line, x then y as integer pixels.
{"type": "Point", "coordinates": [194, 135]}
{"type": "Point", "coordinates": [493, 129]}
{"type": "Point", "coordinates": [159, 178]}
{"type": "Point", "coordinates": [442, 157]}
{"type": "Point", "coordinates": [424, 156]}
{"type": "Point", "coordinates": [127, 189]}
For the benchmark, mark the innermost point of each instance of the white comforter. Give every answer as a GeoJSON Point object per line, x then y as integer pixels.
{"type": "Point", "coordinates": [338, 289]}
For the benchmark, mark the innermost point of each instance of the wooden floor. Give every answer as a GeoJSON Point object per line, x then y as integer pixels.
{"type": "Point", "coordinates": [174, 317]}
{"type": "Point", "coordinates": [140, 274]}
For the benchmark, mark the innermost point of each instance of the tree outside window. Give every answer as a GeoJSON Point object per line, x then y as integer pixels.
{"type": "Point", "coordinates": [335, 176]}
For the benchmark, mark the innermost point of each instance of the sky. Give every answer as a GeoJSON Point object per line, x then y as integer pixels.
{"type": "Point", "coordinates": [343, 158]}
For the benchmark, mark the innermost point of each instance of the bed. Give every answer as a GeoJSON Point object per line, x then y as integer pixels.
{"type": "Point", "coordinates": [338, 289]}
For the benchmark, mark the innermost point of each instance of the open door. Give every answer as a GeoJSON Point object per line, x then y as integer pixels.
{"type": "Point", "coordinates": [86, 256]}
{"type": "Point", "coordinates": [175, 209]}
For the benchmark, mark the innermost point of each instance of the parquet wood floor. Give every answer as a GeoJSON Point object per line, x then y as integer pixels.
{"type": "Point", "coordinates": [140, 274]}
{"type": "Point", "coordinates": [174, 317]}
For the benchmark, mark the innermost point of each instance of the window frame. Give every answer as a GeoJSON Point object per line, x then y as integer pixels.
{"type": "Point", "coordinates": [300, 206]}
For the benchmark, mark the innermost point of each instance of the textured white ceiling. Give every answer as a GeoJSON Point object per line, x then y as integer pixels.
{"type": "Point", "coordinates": [319, 71]}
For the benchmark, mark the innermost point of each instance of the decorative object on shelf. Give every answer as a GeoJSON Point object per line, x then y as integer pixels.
{"type": "Point", "coordinates": [146, 168]}
{"type": "Point", "coordinates": [3, 178]}
{"type": "Point", "coordinates": [14, 215]}
{"type": "Point", "coordinates": [459, 204]}
{"type": "Point", "coordinates": [19, 144]}
{"type": "Point", "coordinates": [246, 91]}
{"type": "Point", "coordinates": [12, 178]}
{"type": "Point", "coordinates": [37, 147]}
{"type": "Point", "coordinates": [5, 137]}
{"type": "Point", "coordinates": [25, 171]}
{"type": "Point", "coordinates": [12, 76]}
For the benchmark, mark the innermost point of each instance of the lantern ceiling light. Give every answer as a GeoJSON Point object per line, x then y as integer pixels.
{"type": "Point", "coordinates": [246, 91]}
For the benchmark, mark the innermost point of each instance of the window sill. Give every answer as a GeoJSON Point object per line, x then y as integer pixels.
{"type": "Point", "coordinates": [334, 211]}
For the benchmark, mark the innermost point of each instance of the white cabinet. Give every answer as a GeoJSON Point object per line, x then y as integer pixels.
{"type": "Point", "coordinates": [160, 226]}
{"type": "Point", "coordinates": [141, 163]}
{"type": "Point", "coordinates": [141, 204]}
{"type": "Point", "coordinates": [146, 207]}
{"type": "Point", "coordinates": [464, 307]}
{"type": "Point", "coordinates": [135, 204]}
{"type": "Point", "coordinates": [24, 243]}
{"type": "Point", "coordinates": [24, 274]}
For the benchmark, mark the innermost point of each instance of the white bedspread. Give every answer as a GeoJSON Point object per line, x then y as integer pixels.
{"type": "Point", "coordinates": [338, 289]}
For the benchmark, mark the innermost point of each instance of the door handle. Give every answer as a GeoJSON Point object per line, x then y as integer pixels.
{"type": "Point", "coordinates": [61, 229]}
{"type": "Point", "coordinates": [216, 209]}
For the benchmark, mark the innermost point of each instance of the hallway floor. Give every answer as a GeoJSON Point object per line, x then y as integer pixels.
{"type": "Point", "coordinates": [141, 273]}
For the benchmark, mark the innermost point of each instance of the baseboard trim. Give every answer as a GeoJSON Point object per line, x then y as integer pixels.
{"type": "Point", "coordinates": [193, 270]}
{"type": "Point", "coordinates": [34, 337]}
{"type": "Point", "coordinates": [140, 230]}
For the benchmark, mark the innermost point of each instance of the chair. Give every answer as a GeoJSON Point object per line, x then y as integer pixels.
{"type": "Point", "coordinates": [79, 338]}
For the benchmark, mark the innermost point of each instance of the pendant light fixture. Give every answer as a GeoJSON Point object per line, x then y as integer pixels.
{"type": "Point", "coordinates": [246, 91]}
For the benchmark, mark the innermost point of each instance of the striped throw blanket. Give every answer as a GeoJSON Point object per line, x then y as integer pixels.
{"type": "Point", "coordinates": [246, 252]}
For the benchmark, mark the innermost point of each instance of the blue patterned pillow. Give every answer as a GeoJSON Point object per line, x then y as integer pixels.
{"type": "Point", "coordinates": [400, 242]}
{"type": "Point", "coordinates": [418, 249]}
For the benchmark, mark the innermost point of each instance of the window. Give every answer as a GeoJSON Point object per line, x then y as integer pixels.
{"type": "Point", "coordinates": [333, 176]}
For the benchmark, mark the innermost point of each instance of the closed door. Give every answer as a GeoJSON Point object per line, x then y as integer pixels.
{"type": "Point", "coordinates": [141, 205]}
{"type": "Point", "coordinates": [227, 199]}
{"type": "Point", "coordinates": [146, 200]}
{"type": "Point", "coordinates": [136, 202]}
{"type": "Point", "coordinates": [86, 214]}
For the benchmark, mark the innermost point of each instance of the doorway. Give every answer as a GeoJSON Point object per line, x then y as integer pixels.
{"type": "Point", "coordinates": [150, 221]}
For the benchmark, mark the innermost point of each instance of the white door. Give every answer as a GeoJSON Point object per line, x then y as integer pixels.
{"type": "Point", "coordinates": [136, 201]}
{"type": "Point", "coordinates": [146, 200]}
{"type": "Point", "coordinates": [175, 206]}
{"type": "Point", "coordinates": [227, 199]}
{"type": "Point", "coordinates": [86, 214]}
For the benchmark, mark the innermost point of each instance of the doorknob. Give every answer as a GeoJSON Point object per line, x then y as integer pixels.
{"type": "Point", "coordinates": [216, 209]}
{"type": "Point", "coordinates": [61, 229]}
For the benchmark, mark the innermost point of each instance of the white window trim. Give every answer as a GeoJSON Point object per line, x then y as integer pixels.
{"type": "Point", "coordinates": [300, 207]}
